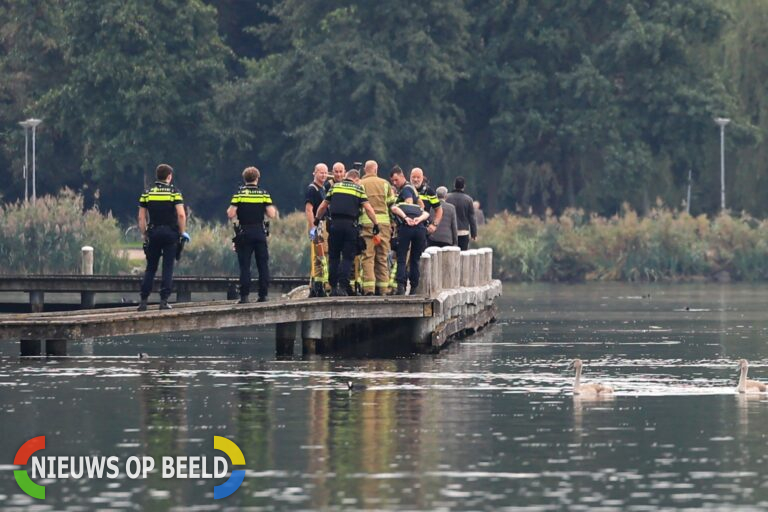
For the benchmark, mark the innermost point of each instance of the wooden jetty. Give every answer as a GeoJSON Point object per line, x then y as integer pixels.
{"type": "Point", "coordinates": [89, 285]}
{"type": "Point", "coordinates": [455, 297]}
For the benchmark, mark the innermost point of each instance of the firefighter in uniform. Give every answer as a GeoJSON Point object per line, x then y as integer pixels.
{"type": "Point", "coordinates": [428, 198]}
{"type": "Point", "coordinates": [162, 223]}
{"type": "Point", "coordinates": [346, 200]}
{"type": "Point", "coordinates": [317, 243]}
{"type": "Point", "coordinates": [375, 265]}
{"type": "Point", "coordinates": [412, 236]}
{"type": "Point", "coordinates": [250, 205]}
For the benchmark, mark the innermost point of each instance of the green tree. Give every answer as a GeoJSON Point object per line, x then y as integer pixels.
{"type": "Point", "coordinates": [354, 80]}
{"type": "Point", "coordinates": [592, 103]}
{"type": "Point", "coordinates": [138, 91]}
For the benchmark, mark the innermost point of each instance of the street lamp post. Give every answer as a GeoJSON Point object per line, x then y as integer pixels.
{"type": "Point", "coordinates": [30, 123]}
{"type": "Point", "coordinates": [722, 122]}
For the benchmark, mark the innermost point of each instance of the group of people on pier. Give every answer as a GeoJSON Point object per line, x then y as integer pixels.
{"type": "Point", "coordinates": [366, 234]}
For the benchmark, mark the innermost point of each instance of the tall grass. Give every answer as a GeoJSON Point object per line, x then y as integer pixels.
{"type": "Point", "coordinates": [211, 254]}
{"type": "Point", "coordinates": [663, 245]}
{"type": "Point", "coordinates": [46, 237]}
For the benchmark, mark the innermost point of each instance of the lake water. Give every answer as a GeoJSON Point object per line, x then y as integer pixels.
{"type": "Point", "coordinates": [487, 424]}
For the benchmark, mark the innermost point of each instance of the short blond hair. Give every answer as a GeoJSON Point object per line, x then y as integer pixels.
{"type": "Point", "coordinates": [251, 174]}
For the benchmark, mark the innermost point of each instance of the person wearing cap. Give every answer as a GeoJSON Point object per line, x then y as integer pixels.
{"type": "Point", "coordinates": [375, 265]}
{"type": "Point", "coordinates": [251, 205]}
{"type": "Point", "coordinates": [162, 223]}
{"type": "Point", "coordinates": [346, 200]}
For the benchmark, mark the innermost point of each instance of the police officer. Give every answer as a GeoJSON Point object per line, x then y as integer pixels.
{"type": "Point", "coordinates": [428, 197]}
{"type": "Point", "coordinates": [317, 245]}
{"type": "Point", "coordinates": [346, 200]}
{"type": "Point", "coordinates": [406, 193]}
{"type": "Point", "coordinates": [412, 235]}
{"type": "Point", "coordinates": [162, 223]}
{"type": "Point", "coordinates": [251, 204]}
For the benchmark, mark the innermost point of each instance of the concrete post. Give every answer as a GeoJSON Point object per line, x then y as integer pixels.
{"type": "Point", "coordinates": [475, 271]}
{"type": "Point", "coordinates": [466, 269]}
{"type": "Point", "coordinates": [86, 259]}
{"type": "Point", "coordinates": [285, 334]}
{"type": "Point", "coordinates": [488, 265]}
{"type": "Point", "coordinates": [311, 334]}
{"type": "Point", "coordinates": [425, 273]}
{"type": "Point", "coordinates": [437, 271]}
{"type": "Point", "coordinates": [56, 348]}
{"type": "Point", "coordinates": [31, 348]}
{"type": "Point", "coordinates": [36, 301]}
{"type": "Point", "coordinates": [87, 299]}
{"type": "Point", "coordinates": [451, 268]}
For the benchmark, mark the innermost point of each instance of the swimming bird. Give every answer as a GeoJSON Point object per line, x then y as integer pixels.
{"type": "Point", "coordinates": [746, 385]}
{"type": "Point", "coordinates": [591, 389]}
{"type": "Point", "coordinates": [143, 355]}
{"type": "Point", "coordinates": [354, 386]}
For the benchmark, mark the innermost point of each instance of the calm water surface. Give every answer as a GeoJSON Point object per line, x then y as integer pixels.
{"type": "Point", "coordinates": [487, 424]}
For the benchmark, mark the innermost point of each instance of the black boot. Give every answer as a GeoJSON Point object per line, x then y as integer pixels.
{"type": "Point", "coordinates": [262, 298]}
{"type": "Point", "coordinates": [142, 305]}
{"type": "Point", "coordinates": [164, 304]}
{"type": "Point", "coordinates": [243, 299]}
{"type": "Point", "coordinates": [400, 289]}
{"type": "Point", "coordinates": [338, 291]}
{"type": "Point", "coordinates": [318, 290]}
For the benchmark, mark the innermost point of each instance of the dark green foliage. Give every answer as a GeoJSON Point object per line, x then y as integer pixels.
{"type": "Point", "coordinates": [547, 104]}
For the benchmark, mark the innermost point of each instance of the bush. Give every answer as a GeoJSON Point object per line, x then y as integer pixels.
{"type": "Point", "coordinates": [46, 238]}
{"type": "Point", "coordinates": [663, 245]}
{"type": "Point", "coordinates": [210, 252]}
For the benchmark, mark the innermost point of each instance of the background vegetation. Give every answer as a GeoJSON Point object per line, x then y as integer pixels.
{"type": "Point", "coordinates": [550, 104]}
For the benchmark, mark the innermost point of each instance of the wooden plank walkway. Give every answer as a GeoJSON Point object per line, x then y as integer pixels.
{"type": "Point", "coordinates": [76, 325]}
{"type": "Point", "coordinates": [123, 284]}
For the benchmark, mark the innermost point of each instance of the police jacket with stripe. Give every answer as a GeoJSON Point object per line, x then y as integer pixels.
{"type": "Point", "coordinates": [160, 200]}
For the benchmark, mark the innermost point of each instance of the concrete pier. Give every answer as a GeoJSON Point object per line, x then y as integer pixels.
{"type": "Point", "coordinates": [455, 297]}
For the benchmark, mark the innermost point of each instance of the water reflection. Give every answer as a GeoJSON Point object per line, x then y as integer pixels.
{"type": "Point", "coordinates": [487, 424]}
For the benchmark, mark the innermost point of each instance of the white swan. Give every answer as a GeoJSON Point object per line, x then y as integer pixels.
{"type": "Point", "coordinates": [746, 385]}
{"type": "Point", "coordinates": [592, 389]}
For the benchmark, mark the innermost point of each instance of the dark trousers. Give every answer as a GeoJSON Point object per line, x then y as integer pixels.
{"type": "Point", "coordinates": [432, 243]}
{"type": "Point", "coordinates": [415, 239]}
{"type": "Point", "coordinates": [463, 242]}
{"type": "Point", "coordinates": [162, 242]}
{"type": "Point", "coordinates": [253, 242]}
{"type": "Point", "coordinates": [342, 249]}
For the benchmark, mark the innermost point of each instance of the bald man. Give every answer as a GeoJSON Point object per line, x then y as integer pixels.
{"type": "Point", "coordinates": [318, 247]}
{"type": "Point", "coordinates": [375, 265]}
{"type": "Point", "coordinates": [428, 197]}
{"type": "Point", "coordinates": [338, 172]}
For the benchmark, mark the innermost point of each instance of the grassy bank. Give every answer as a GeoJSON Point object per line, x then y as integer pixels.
{"type": "Point", "coordinates": [664, 245]}
{"type": "Point", "coordinates": [46, 237]}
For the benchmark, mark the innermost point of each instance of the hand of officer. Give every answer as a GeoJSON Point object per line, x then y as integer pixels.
{"type": "Point", "coordinates": [375, 230]}
{"type": "Point", "coordinates": [185, 236]}
{"type": "Point", "coordinates": [313, 234]}
{"type": "Point", "coordinates": [316, 221]}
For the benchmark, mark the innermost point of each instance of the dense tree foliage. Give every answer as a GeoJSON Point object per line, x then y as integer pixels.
{"type": "Point", "coordinates": [548, 104]}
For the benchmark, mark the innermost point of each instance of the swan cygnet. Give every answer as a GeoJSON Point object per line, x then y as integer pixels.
{"type": "Point", "coordinates": [590, 389]}
{"type": "Point", "coordinates": [746, 385]}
